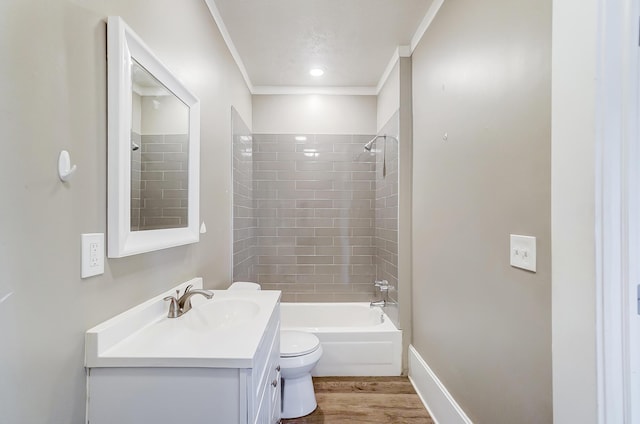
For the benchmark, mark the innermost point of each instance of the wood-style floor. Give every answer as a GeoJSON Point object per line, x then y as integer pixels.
{"type": "Point", "coordinates": [384, 400]}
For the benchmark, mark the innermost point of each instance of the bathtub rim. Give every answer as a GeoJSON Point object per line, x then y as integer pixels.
{"type": "Point", "coordinates": [384, 327]}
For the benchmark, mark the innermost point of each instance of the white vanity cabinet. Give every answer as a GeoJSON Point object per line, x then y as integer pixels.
{"type": "Point", "coordinates": [263, 381]}
{"type": "Point", "coordinates": [143, 377]}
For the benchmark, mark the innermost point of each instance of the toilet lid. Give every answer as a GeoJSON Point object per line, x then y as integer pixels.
{"type": "Point", "coordinates": [244, 285]}
{"type": "Point", "coordinates": [297, 343]}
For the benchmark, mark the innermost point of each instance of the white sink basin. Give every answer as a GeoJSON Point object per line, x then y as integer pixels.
{"type": "Point", "coordinates": [217, 314]}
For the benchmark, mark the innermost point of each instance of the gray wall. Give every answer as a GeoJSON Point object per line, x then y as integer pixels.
{"type": "Point", "coordinates": [53, 97]}
{"type": "Point", "coordinates": [482, 75]}
{"type": "Point", "coordinates": [314, 114]}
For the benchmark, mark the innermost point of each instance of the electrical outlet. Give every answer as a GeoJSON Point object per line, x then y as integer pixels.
{"type": "Point", "coordinates": [92, 254]}
{"type": "Point", "coordinates": [523, 252]}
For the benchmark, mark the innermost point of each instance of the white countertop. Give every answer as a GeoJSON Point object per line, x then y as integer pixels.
{"type": "Point", "coordinates": [209, 335]}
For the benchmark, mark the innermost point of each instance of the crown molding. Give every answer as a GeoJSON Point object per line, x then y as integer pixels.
{"type": "Point", "coordinates": [407, 51]}
{"type": "Point", "coordinates": [227, 39]}
{"type": "Point", "coordinates": [426, 22]}
{"type": "Point", "coordinates": [404, 51]}
{"type": "Point", "coordinates": [400, 51]}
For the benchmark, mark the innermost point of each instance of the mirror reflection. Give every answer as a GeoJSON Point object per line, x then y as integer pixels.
{"type": "Point", "coordinates": [159, 155]}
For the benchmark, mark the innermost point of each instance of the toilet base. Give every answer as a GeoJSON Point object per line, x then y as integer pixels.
{"type": "Point", "coordinates": [298, 397]}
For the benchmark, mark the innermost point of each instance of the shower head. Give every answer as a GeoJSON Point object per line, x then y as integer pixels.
{"type": "Point", "coordinates": [134, 146]}
{"type": "Point", "coordinates": [369, 144]}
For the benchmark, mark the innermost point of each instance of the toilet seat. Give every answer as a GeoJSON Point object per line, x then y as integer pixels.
{"type": "Point", "coordinates": [297, 343]}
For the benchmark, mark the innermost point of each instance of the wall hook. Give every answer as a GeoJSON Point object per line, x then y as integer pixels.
{"type": "Point", "coordinates": [65, 170]}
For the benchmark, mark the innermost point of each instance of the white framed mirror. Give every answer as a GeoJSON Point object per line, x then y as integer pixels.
{"type": "Point", "coordinates": [153, 150]}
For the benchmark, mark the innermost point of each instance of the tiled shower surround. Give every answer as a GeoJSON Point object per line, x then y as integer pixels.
{"type": "Point", "coordinates": [311, 229]}
{"type": "Point", "coordinates": [386, 207]}
{"type": "Point", "coordinates": [244, 221]}
{"type": "Point", "coordinates": [314, 206]}
{"type": "Point", "coordinates": [159, 181]}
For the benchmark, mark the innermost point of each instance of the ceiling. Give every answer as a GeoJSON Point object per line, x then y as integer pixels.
{"type": "Point", "coordinates": [353, 41]}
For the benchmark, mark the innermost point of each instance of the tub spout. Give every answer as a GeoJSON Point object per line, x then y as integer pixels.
{"type": "Point", "coordinates": [382, 303]}
{"type": "Point", "coordinates": [384, 287]}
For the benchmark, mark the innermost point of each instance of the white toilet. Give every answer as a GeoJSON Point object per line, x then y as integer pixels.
{"type": "Point", "coordinates": [299, 354]}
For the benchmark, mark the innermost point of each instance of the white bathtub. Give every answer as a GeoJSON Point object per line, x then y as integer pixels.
{"type": "Point", "coordinates": [356, 340]}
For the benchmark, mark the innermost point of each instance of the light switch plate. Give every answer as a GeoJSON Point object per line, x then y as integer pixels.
{"type": "Point", "coordinates": [92, 254]}
{"type": "Point", "coordinates": [523, 252]}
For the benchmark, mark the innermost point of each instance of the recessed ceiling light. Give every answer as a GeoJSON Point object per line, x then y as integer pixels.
{"type": "Point", "coordinates": [301, 138]}
{"type": "Point", "coordinates": [316, 72]}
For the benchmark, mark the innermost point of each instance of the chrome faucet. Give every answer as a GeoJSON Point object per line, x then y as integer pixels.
{"type": "Point", "coordinates": [384, 287]}
{"type": "Point", "coordinates": [382, 303]}
{"type": "Point", "coordinates": [180, 305]}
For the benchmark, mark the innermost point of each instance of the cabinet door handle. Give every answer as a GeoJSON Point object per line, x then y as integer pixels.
{"type": "Point", "coordinates": [278, 368]}
{"type": "Point", "coordinates": [274, 383]}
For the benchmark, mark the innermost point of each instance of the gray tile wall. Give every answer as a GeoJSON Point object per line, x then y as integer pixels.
{"type": "Point", "coordinates": [314, 206]}
{"type": "Point", "coordinates": [244, 220]}
{"type": "Point", "coordinates": [386, 207]}
{"type": "Point", "coordinates": [163, 181]}
{"type": "Point", "coordinates": [136, 175]}
{"type": "Point", "coordinates": [314, 218]}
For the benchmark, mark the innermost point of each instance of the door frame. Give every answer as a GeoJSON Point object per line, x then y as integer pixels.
{"type": "Point", "coordinates": [617, 200]}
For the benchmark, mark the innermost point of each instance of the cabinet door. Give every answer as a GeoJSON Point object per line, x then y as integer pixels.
{"type": "Point", "coordinates": [269, 404]}
{"type": "Point", "coordinates": [262, 416]}
{"type": "Point", "coordinates": [264, 393]}
{"type": "Point", "coordinates": [276, 401]}
{"type": "Point", "coordinates": [275, 385]}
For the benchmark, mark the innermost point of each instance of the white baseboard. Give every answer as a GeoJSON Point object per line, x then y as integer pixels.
{"type": "Point", "coordinates": [441, 405]}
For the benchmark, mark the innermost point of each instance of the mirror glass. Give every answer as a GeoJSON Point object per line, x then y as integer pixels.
{"type": "Point", "coordinates": [159, 154]}
{"type": "Point", "coordinates": [153, 194]}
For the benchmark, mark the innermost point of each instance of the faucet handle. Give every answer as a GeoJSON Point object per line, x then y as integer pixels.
{"type": "Point", "coordinates": [173, 306]}
{"type": "Point", "coordinates": [383, 285]}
